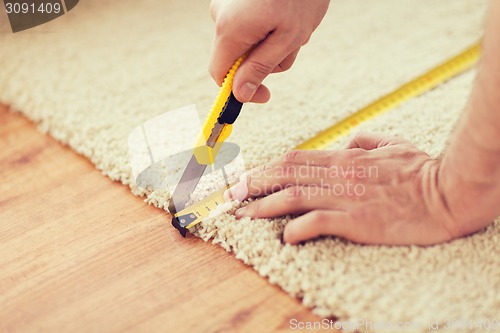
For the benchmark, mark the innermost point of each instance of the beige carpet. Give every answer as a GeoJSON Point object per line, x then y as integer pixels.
{"type": "Point", "coordinates": [91, 76]}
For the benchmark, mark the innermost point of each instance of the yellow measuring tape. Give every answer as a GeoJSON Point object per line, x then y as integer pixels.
{"type": "Point", "coordinates": [428, 81]}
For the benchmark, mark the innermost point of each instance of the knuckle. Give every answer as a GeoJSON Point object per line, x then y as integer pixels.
{"type": "Point", "coordinates": [292, 37]}
{"type": "Point", "coordinates": [267, 167]}
{"type": "Point", "coordinates": [256, 206]}
{"type": "Point", "coordinates": [252, 190]}
{"type": "Point", "coordinates": [292, 156]}
{"type": "Point", "coordinates": [259, 67]}
{"type": "Point", "coordinates": [359, 136]}
{"type": "Point", "coordinates": [286, 65]}
{"type": "Point", "coordinates": [289, 170]}
{"type": "Point", "coordinates": [298, 39]}
{"type": "Point", "coordinates": [318, 216]}
{"type": "Point", "coordinates": [316, 221]}
{"type": "Point", "coordinates": [249, 179]}
{"type": "Point", "coordinates": [351, 154]}
{"type": "Point", "coordinates": [294, 195]}
{"type": "Point", "coordinates": [222, 25]}
{"type": "Point", "coordinates": [362, 214]}
{"type": "Point", "coordinates": [397, 140]}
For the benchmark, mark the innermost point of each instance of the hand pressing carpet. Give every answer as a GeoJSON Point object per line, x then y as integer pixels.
{"type": "Point", "coordinates": [383, 190]}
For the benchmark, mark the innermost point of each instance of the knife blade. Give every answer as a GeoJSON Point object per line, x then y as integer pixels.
{"type": "Point", "coordinates": [194, 170]}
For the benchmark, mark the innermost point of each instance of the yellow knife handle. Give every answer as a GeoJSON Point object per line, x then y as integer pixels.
{"type": "Point", "coordinates": [203, 153]}
{"type": "Point", "coordinates": [218, 106]}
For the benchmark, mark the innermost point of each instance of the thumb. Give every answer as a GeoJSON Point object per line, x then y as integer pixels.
{"type": "Point", "coordinates": [261, 62]}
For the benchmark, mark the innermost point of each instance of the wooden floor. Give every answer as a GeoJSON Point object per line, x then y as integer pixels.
{"type": "Point", "coordinates": [79, 253]}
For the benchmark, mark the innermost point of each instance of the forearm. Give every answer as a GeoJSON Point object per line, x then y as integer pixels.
{"type": "Point", "coordinates": [470, 170]}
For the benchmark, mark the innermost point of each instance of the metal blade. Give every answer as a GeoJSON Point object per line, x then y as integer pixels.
{"type": "Point", "coordinates": [194, 171]}
{"type": "Point", "coordinates": [192, 175]}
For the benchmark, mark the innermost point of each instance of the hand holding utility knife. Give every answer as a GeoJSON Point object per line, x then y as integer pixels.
{"type": "Point", "coordinates": [216, 129]}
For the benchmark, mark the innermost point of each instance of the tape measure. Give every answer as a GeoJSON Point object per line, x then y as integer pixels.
{"type": "Point", "coordinates": [416, 87]}
{"type": "Point", "coordinates": [428, 81]}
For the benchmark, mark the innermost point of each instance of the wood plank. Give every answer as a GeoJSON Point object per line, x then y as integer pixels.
{"type": "Point", "coordinates": [79, 253]}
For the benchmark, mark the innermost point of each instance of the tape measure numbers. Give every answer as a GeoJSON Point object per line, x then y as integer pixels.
{"type": "Point", "coordinates": [426, 82]}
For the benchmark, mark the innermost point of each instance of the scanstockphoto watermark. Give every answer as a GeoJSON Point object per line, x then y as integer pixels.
{"type": "Point", "coordinates": [356, 325]}
{"type": "Point", "coordinates": [311, 180]}
{"type": "Point", "coordinates": [443, 325]}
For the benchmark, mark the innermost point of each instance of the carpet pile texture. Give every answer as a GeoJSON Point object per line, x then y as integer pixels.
{"type": "Point", "coordinates": [91, 76]}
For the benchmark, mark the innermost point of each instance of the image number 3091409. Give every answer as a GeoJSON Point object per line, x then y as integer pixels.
{"type": "Point", "coordinates": [26, 14]}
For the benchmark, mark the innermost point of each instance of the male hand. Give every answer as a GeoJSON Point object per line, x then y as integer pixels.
{"type": "Point", "coordinates": [381, 190]}
{"type": "Point", "coordinates": [277, 29]}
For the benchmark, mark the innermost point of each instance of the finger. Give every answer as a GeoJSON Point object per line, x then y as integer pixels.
{"type": "Point", "coordinates": [228, 45]}
{"type": "Point", "coordinates": [262, 95]}
{"type": "Point", "coordinates": [292, 200]}
{"type": "Point", "coordinates": [370, 141]}
{"type": "Point", "coordinates": [224, 53]}
{"type": "Point", "coordinates": [292, 157]}
{"type": "Point", "coordinates": [320, 223]}
{"type": "Point", "coordinates": [316, 158]}
{"type": "Point", "coordinates": [287, 63]}
{"type": "Point", "coordinates": [260, 63]}
{"type": "Point", "coordinates": [320, 158]}
{"type": "Point", "coordinates": [276, 178]}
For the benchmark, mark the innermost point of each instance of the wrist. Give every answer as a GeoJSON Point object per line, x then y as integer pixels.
{"type": "Point", "coordinates": [470, 188]}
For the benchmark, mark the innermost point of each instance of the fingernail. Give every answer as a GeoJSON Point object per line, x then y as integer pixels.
{"type": "Point", "coordinates": [227, 195]}
{"type": "Point", "coordinates": [247, 90]}
{"type": "Point", "coordinates": [238, 192]}
{"type": "Point", "coordinates": [239, 213]}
